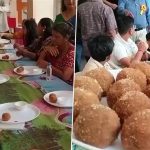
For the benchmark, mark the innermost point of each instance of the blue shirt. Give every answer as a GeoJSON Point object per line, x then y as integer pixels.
{"type": "Point", "coordinates": [134, 6]}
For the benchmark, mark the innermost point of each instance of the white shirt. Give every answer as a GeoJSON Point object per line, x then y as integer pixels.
{"type": "Point", "coordinates": [94, 64]}
{"type": "Point", "coordinates": [122, 49]}
{"type": "Point", "coordinates": [4, 8]}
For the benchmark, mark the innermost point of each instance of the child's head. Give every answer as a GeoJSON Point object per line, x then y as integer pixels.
{"type": "Point", "coordinates": [100, 47]}
{"type": "Point", "coordinates": [148, 39]}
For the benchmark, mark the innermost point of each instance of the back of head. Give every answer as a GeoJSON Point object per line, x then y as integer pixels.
{"type": "Point", "coordinates": [65, 29]}
{"type": "Point", "coordinates": [31, 30]}
{"type": "Point", "coordinates": [100, 47]}
{"type": "Point", "coordinates": [124, 23]}
{"type": "Point", "coordinates": [48, 24]}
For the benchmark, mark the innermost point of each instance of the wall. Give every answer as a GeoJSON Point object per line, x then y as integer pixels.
{"type": "Point", "coordinates": [43, 8]}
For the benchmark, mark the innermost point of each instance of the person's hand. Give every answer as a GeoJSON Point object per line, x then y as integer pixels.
{"type": "Point", "coordinates": [128, 13]}
{"type": "Point", "coordinates": [142, 46]}
{"type": "Point", "coordinates": [19, 53]}
{"type": "Point", "coordinates": [53, 50]}
{"type": "Point", "coordinates": [114, 6]}
{"type": "Point", "coordinates": [17, 46]}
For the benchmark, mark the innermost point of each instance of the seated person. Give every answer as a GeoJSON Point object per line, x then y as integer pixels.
{"type": "Point", "coordinates": [27, 24]}
{"type": "Point", "coordinates": [44, 30]}
{"type": "Point", "coordinates": [60, 53]}
{"type": "Point", "coordinates": [125, 50]}
{"type": "Point", "coordinates": [100, 48]}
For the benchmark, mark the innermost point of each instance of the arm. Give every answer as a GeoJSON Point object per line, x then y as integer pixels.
{"type": "Point", "coordinates": [138, 56]}
{"type": "Point", "coordinates": [110, 22]}
{"type": "Point", "coordinates": [122, 8]}
{"type": "Point", "coordinates": [6, 7]}
{"type": "Point", "coordinates": [64, 74]}
{"type": "Point", "coordinates": [113, 6]}
{"type": "Point", "coordinates": [24, 52]}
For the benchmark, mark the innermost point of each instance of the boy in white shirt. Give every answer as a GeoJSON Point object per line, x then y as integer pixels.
{"type": "Point", "coordinates": [125, 50]}
{"type": "Point", "coordinates": [100, 48]}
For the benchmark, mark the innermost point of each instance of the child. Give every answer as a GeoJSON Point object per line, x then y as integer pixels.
{"type": "Point", "coordinates": [100, 48]}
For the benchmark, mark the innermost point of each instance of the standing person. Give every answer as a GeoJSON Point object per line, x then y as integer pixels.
{"type": "Point", "coordinates": [68, 11]}
{"type": "Point", "coordinates": [95, 18]}
{"type": "Point", "coordinates": [140, 10]}
{"type": "Point", "coordinates": [4, 9]}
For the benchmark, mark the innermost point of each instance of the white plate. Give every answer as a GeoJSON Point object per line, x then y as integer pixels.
{"type": "Point", "coordinates": [12, 56]}
{"type": "Point", "coordinates": [4, 78]}
{"type": "Point", "coordinates": [116, 145]}
{"type": "Point", "coordinates": [29, 113]}
{"type": "Point", "coordinates": [4, 41]}
{"type": "Point", "coordinates": [30, 70]}
{"type": "Point", "coordinates": [114, 72]}
{"type": "Point", "coordinates": [64, 98]}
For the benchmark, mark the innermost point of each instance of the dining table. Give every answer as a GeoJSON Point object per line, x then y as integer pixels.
{"type": "Point", "coordinates": [51, 129]}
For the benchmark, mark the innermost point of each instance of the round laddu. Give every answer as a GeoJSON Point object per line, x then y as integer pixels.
{"type": "Point", "coordinates": [133, 74]}
{"type": "Point", "coordinates": [135, 133]}
{"type": "Point", "coordinates": [130, 103]}
{"type": "Point", "coordinates": [88, 83]}
{"type": "Point", "coordinates": [83, 98]}
{"type": "Point", "coordinates": [144, 67]}
{"type": "Point", "coordinates": [104, 78]}
{"type": "Point", "coordinates": [147, 90]}
{"type": "Point", "coordinates": [119, 88]}
{"type": "Point", "coordinates": [97, 125]}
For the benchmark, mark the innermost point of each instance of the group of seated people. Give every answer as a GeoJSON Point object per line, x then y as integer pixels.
{"type": "Point", "coordinates": [48, 42]}
{"type": "Point", "coordinates": [119, 52]}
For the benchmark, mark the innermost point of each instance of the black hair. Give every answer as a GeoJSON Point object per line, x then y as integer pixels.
{"type": "Point", "coordinates": [100, 47]}
{"type": "Point", "coordinates": [31, 28]}
{"type": "Point", "coordinates": [64, 28]}
{"type": "Point", "coordinates": [48, 24]}
{"type": "Point", "coordinates": [63, 6]}
{"type": "Point", "coordinates": [124, 23]}
{"type": "Point", "coordinates": [81, 1]}
{"type": "Point", "coordinates": [148, 36]}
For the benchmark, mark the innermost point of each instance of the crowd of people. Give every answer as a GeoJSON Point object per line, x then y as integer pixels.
{"type": "Point", "coordinates": [111, 33]}
{"type": "Point", "coordinates": [49, 41]}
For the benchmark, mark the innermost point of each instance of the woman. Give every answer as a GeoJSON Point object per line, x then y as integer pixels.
{"type": "Point", "coordinates": [4, 8]}
{"type": "Point", "coordinates": [44, 30]}
{"type": "Point", "coordinates": [60, 53]}
{"type": "Point", "coordinates": [68, 12]}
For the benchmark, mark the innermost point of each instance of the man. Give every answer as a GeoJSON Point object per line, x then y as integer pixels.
{"type": "Point", "coordinates": [125, 50]}
{"type": "Point", "coordinates": [140, 10]}
{"type": "Point", "coordinates": [4, 9]}
{"type": "Point", "coordinates": [95, 18]}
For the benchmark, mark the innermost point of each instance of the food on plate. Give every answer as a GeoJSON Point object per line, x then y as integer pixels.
{"type": "Point", "coordinates": [20, 69]}
{"type": "Point", "coordinates": [88, 83]}
{"type": "Point", "coordinates": [130, 103]}
{"type": "Point", "coordinates": [104, 78]}
{"type": "Point", "coordinates": [97, 125]}
{"type": "Point", "coordinates": [144, 67]}
{"type": "Point", "coordinates": [134, 74]}
{"type": "Point", "coordinates": [135, 133]}
{"type": "Point", "coordinates": [5, 57]}
{"type": "Point", "coordinates": [83, 98]}
{"type": "Point", "coordinates": [6, 116]}
{"type": "Point", "coordinates": [53, 98]}
{"type": "Point", "coordinates": [119, 88]}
